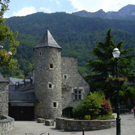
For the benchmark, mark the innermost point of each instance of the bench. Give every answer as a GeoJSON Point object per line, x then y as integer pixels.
{"type": "Point", "coordinates": [49, 122]}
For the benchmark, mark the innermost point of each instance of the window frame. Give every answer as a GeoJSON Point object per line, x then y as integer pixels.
{"type": "Point", "coordinates": [50, 84]}
{"type": "Point", "coordinates": [78, 93]}
{"type": "Point", "coordinates": [51, 66]}
{"type": "Point", "coordinates": [55, 104]}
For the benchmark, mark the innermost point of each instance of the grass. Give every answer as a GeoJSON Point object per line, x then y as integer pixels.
{"type": "Point", "coordinates": [105, 117]}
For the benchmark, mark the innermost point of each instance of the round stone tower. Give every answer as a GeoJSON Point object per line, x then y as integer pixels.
{"type": "Point", "coordinates": [47, 77]}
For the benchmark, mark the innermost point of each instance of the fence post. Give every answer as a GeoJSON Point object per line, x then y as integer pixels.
{"type": "Point", "coordinates": [83, 131]}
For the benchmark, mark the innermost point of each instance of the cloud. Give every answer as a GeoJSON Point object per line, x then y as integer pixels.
{"type": "Point", "coordinates": [57, 2]}
{"type": "Point", "coordinates": [6, 16]}
{"type": "Point", "coordinates": [25, 11]}
{"type": "Point", "coordinates": [95, 5]}
{"type": "Point", "coordinates": [46, 10]}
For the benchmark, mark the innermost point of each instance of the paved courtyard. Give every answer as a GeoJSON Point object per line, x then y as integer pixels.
{"type": "Point", "coordinates": [34, 128]}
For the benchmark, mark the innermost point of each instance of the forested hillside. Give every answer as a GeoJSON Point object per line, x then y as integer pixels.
{"type": "Point", "coordinates": [76, 35]}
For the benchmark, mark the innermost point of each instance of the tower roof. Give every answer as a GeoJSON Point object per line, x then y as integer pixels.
{"type": "Point", "coordinates": [47, 40]}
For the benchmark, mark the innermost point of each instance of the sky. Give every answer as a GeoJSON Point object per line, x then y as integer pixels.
{"type": "Point", "coordinates": [26, 7]}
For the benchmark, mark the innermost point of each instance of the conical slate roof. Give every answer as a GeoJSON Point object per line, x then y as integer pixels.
{"type": "Point", "coordinates": [2, 79]}
{"type": "Point", "coordinates": [48, 41]}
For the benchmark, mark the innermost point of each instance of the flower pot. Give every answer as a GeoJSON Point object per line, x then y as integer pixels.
{"type": "Point", "coordinates": [117, 83]}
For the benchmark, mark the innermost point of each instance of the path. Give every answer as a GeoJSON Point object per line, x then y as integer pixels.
{"type": "Point", "coordinates": [23, 127]}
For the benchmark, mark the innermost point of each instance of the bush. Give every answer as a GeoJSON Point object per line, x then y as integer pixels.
{"type": "Point", "coordinates": [106, 108]}
{"type": "Point", "coordinates": [91, 105]}
{"type": "Point", "coordinates": [87, 117]}
{"type": "Point", "coordinates": [78, 111]}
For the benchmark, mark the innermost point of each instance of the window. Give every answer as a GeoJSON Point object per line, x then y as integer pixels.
{"type": "Point", "coordinates": [40, 53]}
{"type": "Point", "coordinates": [51, 66]}
{"type": "Point", "coordinates": [50, 85]}
{"type": "Point", "coordinates": [65, 76]}
{"type": "Point", "coordinates": [55, 104]}
{"type": "Point", "coordinates": [77, 93]}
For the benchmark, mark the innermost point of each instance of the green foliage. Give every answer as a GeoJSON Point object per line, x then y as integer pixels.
{"type": "Point", "coordinates": [105, 117]}
{"type": "Point", "coordinates": [78, 111]}
{"type": "Point", "coordinates": [7, 37]}
{"type": "Point", "coordinates": [114, 78]}
{"type": "Point", "coordinates": [127, 94]}
{"type": "Point", "coordinates": [87, 117]}
{"type": "Point", "coordinates": [104, 64]}
{"type": "Point", "coordinates": [76, 39]}
{"type": "Point", "coordinates": [91, 105]}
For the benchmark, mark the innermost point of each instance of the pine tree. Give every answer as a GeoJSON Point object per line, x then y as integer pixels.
{"type": "Point", "coordinates": [104, 64]}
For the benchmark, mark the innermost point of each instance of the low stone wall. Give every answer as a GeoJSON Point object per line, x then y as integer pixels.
{"type": "Point", "coordinates": [6, 124]}
{"type": "Point", "coordinates": [78, 125]}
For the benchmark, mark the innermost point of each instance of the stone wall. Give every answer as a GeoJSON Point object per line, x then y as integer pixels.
{"type": "Point", "coordinates": [43, 76]}
{"type": "Point", "coordinates": [4, 98]}
{"type": "Point", "coordinates": [6, 125]}
{"type": "Point", "coordinates": [73, 80]}
{"type": "Point", "coordinates": [88, 125]}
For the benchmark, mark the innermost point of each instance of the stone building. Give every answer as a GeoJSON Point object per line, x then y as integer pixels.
{"type": "Point", "coordinates": [53, 89]}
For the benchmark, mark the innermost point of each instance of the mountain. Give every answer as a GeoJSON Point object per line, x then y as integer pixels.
{"type": "Point", "coordinates": [127, 12]}
{"type": "Point", "coordinates": [76, 35]}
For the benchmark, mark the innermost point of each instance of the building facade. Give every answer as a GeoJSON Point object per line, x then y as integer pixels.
{"type": "Point", "coordinates": [55, 86]}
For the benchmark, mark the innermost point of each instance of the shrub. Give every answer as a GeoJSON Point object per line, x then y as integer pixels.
{"type": "Point", "coordinates": [91, 105]}
{"type": "Point", "coordinates": [106, 108]}
{"type": "Point", "coordinates": [78, 111]}
{"type": "Point", "coordinates": [87, 117]}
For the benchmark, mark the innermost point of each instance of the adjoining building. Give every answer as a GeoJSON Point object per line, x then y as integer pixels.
{"type": "Point", "coordinates": [53, 89]}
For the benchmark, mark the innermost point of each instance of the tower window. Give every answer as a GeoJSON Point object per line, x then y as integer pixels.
{"type": "Point", "coordinates": [55, 104]}
{"type": "Point", "coordinates": [65, 76]}
{"type": "Point", "coordinates": [51, 66]}
{"type": "Point", "coordinates": [50, 85]}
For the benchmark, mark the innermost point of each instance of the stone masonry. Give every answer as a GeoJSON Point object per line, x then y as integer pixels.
{"type": "Point", "coordinates": [48, 81]}
{"type": "Point", "coordinates": [3, 96]}
{"type": "Point", "coordinates": [73, 80]}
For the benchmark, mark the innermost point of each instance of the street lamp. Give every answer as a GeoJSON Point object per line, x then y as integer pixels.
{"type": "Point", "coordinates": [116, 54]}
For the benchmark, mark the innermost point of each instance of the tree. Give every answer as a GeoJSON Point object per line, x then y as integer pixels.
{"type": "Point", "coordinates": [103, 65]}
{"type": "Point", "coordinates": [7, 37]}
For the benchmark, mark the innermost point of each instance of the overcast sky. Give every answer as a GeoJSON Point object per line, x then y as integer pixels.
{"type": "Point", "coordinates": [25, 7]}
